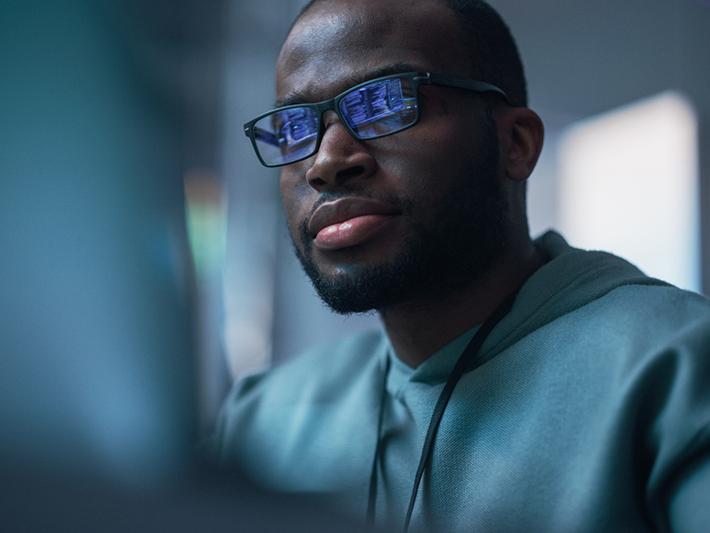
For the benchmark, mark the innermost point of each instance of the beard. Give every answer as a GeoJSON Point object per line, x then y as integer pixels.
{"type": "Point", "coordinates": [457, 247]}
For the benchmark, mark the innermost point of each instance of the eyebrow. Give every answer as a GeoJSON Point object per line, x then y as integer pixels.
{"type": "Point", "coordinates": [297, 97]}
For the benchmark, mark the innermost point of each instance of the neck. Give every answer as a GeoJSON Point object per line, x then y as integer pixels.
{"type": "Point", "coordinates": [420, 327]}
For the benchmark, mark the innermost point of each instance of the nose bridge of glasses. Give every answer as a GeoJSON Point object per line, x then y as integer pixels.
{"type": "Point", "coordinates": [335, 132]}
{"type": "Point", "coordinates": [330, 118]}
{"type": "Point", "coordinates": [330, 114]}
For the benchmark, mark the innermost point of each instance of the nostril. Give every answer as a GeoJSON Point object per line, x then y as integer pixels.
{"type": "Point", "coordinates": [350, 172]}
{"type": "Point", "coordinates": [317, 182]}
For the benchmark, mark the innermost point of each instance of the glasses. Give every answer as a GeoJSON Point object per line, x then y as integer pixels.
{"type": "Point", "coordinates": [370, 110]}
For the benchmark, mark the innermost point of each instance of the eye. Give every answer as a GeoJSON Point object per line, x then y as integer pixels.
{"type": "Point", "coordinates": [380, 108]}
{"type": "Point", "coordinates": [297, 124]}
{"type": "Point", "coordinates": [372, 101]}
{"type": "Point", "coordinates": [287, 135]}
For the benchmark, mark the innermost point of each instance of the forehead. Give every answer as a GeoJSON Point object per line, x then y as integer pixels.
{"type": "Point", "coordinates": [339, 43]}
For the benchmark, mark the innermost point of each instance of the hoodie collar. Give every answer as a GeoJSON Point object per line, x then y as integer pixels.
{"type": "Point", "coordinates": [570, 279]}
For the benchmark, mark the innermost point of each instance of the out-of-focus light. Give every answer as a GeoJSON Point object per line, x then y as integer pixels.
{"type": "Point", "coordinates": [250, 341]}
{"type": "Point", "coordinates": [206, 222]}
{"type": "Point", "coordinates": [629, 184]}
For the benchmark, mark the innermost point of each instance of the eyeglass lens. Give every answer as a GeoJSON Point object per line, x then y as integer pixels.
{"type": "Point", "coordinates": [372, 110]}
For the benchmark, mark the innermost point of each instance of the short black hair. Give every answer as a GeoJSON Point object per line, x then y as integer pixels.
{"type": "Point", "coordinates": [494, 55]}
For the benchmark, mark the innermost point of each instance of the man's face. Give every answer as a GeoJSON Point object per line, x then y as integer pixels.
{"type": "Point", "coordinates": [383, 222]}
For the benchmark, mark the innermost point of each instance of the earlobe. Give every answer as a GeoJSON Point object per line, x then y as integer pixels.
{"type": "Point", "coordinates": [521, 133]}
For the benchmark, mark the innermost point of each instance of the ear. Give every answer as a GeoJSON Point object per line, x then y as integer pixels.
{"type": "Point", "coordinates": [521, 135]}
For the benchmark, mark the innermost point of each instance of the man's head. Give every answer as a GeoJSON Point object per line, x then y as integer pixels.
{"type": "Point", "coordinates": [428, 210]}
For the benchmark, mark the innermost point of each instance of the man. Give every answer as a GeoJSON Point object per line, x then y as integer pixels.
{"type": "Point", "coordinates": [517, 384]}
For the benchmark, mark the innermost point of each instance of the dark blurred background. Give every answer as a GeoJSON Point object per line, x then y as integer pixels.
{"type": "Point", "coordinates": [145, 262]}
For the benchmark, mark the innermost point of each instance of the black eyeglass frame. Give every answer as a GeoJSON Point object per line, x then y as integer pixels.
{"type": "Point", "coordinates": [332, 104]}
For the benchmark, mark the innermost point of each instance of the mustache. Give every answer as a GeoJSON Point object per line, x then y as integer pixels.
{"type": "Point", "coordinates": [397, 202]}
{"type": "Point", "coordinates": [388, 199]}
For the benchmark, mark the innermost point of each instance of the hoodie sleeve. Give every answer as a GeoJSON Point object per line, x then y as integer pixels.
{"type": "Point", "coordinates": [680, 435]}
{"type": "Point", "coordinates": [690, 503]}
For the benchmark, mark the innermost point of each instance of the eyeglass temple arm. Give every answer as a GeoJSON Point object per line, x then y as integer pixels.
{"type": "Point", "coordinates": [463, 83]}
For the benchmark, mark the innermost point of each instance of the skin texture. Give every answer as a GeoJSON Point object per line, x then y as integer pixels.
{"type": "Point", "coordinates": [459, 243]}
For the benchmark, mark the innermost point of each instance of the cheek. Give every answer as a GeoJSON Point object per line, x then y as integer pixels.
{"type": "Point", "coordinates": [433, 165]}
{"type": "Point", "coordinates": [444, 133]}
{"type": "Point", "coordinates": [295, 200]}
{"type": "Point", "coordinates": [429, 160]}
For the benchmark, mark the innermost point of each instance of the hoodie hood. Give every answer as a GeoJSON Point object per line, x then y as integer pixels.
{"type": "Point", "coordinates": [570, 279]}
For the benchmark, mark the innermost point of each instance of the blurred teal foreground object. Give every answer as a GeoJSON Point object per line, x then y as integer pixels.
{"type": "Point", "coordinates": [96, 369]}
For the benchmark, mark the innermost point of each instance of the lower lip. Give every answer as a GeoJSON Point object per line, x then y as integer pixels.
{"type": "Point", "coordinates": [351, 232]}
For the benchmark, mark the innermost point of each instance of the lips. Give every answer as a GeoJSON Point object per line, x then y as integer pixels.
{"type": "Point", "coordinates": [348, 222]}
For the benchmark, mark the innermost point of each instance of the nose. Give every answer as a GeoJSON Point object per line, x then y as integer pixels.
{"type": "Point", "coordinates": [340, 157]}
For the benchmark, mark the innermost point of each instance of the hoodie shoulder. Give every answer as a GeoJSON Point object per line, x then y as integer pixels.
{"type": "Point", "coordinates": [573, 279]}
{"type": "Point", "coordinates": [316, 376]}
{"type": "Point", "coordinates": [315, 369]}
